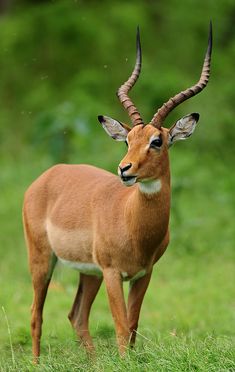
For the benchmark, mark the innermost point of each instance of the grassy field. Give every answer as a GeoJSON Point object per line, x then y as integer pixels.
{"type": "Point", "coordinates": [187, 319]}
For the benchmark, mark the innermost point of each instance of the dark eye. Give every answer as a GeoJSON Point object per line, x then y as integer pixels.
{"type": "Point", "coordinates": [156, 143]}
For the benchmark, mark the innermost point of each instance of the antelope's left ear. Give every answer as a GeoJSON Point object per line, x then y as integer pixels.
{"type": "Point", "coordinates": [183, 128]}
{"type": "Point", "coordinates": [114, 128]}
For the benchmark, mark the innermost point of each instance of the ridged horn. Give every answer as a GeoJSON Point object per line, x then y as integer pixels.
{"type": "Point", "coordinates": [124, 89]}
{"type": "Point", "coordinates": [167, 107]}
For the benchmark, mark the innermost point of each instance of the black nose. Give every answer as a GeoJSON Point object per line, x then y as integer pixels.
{"type": "Point", "coordinates": [125, 168]}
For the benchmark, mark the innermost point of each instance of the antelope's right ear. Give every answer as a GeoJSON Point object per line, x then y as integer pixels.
{"type": "Point", "coordinates": [114, 128]}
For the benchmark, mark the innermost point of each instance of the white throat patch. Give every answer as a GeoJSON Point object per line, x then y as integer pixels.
{"type": "Point", "coordinates": [150, 187]}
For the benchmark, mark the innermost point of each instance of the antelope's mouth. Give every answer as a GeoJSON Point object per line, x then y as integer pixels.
{"type": "Point", "coordinates": [128, 180]}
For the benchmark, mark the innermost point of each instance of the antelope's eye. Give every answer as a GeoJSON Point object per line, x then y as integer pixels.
{"type": "Point", "coordinates": [156, 143]}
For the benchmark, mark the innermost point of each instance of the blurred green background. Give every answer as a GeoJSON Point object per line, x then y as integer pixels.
{"type": "Point", "coordinates": [61, 63]}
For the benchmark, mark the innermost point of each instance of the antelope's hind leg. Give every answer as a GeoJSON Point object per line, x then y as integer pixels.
{"type": "Point", "coordinates": [79, 315]}
{"type": "Point", "coordinates": [42, 262]}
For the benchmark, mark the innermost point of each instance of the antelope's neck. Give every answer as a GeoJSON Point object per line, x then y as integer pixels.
{"type": "Point", "coordinates": [148, 209]}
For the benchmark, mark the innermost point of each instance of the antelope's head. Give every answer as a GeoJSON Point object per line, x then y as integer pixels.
{"type": "Point", "coordinates": [148, 143]}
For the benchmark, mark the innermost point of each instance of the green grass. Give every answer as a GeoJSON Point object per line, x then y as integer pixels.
{"type": "Point", "coordinates": [187, 319]}
{"type": "Point", "coordinates": [164, 354]}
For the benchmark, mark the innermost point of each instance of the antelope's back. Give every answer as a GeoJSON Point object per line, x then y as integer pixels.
{"type": "Point", "coordinates": [66, 194]}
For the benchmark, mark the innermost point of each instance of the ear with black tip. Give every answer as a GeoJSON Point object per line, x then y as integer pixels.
{"type": "Point", "coordinates": [183, 128]}
{"type": "Point", "coordinates": [114, 128]}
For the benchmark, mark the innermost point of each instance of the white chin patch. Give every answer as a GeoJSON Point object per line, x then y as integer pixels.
{"type": "Point", "coordinates": [150, 187]}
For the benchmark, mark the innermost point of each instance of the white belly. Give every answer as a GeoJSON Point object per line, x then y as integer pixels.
{"type": "Point", "coordinates": [84, 268]}
{"type": "Point", "coordinates": [94, 269]}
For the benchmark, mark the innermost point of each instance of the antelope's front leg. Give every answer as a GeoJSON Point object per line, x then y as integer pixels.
{"type": "Point", "coordinates": [135, 299]}
{"type": "Point", "coordinates": [117, 304]}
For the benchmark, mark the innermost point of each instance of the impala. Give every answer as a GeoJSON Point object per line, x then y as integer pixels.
{"type": "Point", "coordinates": [89, 219]}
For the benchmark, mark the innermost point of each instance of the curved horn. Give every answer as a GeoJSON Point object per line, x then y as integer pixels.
{"type": "Point", "coordinates": [124, 89]}
{"type": "Point", "coordinates": [167, 107]}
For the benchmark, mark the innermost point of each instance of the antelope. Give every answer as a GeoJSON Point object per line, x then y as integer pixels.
{"type": "Point", "coordinates": [108, 227]}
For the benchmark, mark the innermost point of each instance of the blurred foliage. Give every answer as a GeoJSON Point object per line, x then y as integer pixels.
{"type": "Point", "coordinates": [73, 55]}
